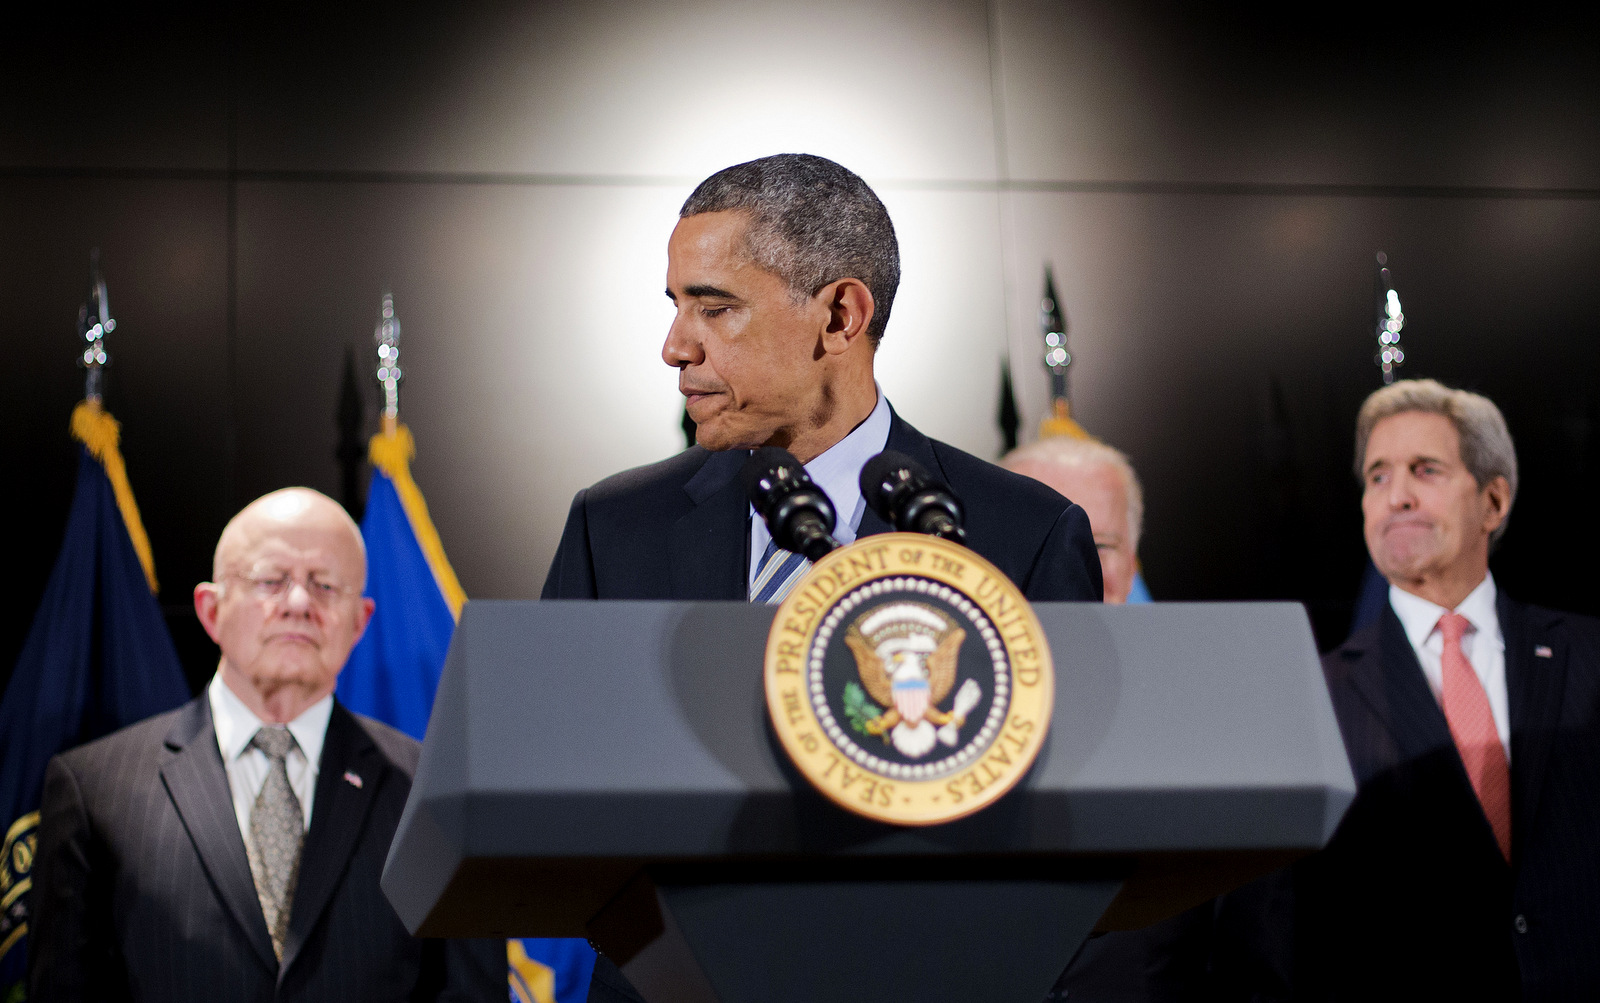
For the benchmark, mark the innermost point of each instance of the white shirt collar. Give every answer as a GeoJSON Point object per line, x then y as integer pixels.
{"type": "Point", "coordinates": [1419, 616]}
{"type": "Point", "coordinates": [237, 724]}
{"type": "Point", "coordinates": [838, 472]}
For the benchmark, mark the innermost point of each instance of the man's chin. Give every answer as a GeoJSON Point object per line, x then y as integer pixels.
{"type": "Point", "coordinates": [717, 437]}
{"type": "Point", "coordinates": [1403, 565]}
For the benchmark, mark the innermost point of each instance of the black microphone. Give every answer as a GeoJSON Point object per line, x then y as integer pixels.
{"type": "Point", "coordinates": [907, 497]}
{"type": "Point", "coordinates": [799, 515]}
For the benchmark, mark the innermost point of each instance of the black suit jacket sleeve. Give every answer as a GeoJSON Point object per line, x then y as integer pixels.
{"type": "Point", "coordinates": [1068, 566]}
{"type": "Point", "coordinates": [73, 947]}
{"type": "Point", "coordinates": [572, 572]}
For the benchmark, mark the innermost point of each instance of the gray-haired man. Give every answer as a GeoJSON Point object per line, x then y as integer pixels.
{"type": "Point", "coordinates": [1468, 866]}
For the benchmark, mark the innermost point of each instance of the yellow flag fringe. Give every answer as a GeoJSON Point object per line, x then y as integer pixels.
{"type": "Point", "coordinates": [1060, 423]}
{"type": "Point", "coordinates": [101, 434]}
{"type": "Point", "coordinates": [391, 451]}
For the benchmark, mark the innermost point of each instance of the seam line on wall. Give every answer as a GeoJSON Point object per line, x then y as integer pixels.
{"type": "Point", "coordinates": [1020, 185]}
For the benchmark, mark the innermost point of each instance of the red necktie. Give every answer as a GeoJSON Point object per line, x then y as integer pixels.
{"type": "Point", "coordinates": [1466, 708]}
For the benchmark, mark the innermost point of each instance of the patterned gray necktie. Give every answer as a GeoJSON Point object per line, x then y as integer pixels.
{"type": "Point", "coordinates": [277, 829]}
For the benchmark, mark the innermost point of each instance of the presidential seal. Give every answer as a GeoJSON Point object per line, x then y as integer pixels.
{"type": "Point", "coordinates": [908, 679]}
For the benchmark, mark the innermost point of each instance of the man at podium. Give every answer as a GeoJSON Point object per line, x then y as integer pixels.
{"type": "Point", "coordinates": [783, 271]}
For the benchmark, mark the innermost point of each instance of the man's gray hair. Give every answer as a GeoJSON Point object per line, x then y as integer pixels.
{"type": "Point", "coordinates": [812, 223]}
{"type": "Point", "coordinates": [1486, 447]}
{"type": "Point", "coordinates": [1061, 451]}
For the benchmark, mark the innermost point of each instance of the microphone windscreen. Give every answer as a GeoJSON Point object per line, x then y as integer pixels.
{"type": "Point", "coordinates": [761, 472]}
{"type": "Point", "coordinates": [884, 473]}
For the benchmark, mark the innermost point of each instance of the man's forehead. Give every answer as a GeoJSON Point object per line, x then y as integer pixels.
{"type": "Point", "coordinates": [1411, 436]}
{"type": "Point", "coordinates": [295, 527]}
{"type": "Point", "coordinates": [291, 548]}
{"type": "Point", "coordinates": [710, 251]}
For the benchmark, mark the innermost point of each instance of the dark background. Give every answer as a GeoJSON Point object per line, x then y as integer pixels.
{"type": "Point", "coordinates": [1209, 186]}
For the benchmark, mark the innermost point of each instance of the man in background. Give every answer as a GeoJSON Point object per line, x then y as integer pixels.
{"type": "Point", "coordinates": [1101, 480]}
{"type": "Point", "coordinates": [231, 849]}
{"type": "Point", "coordinates": [1468, 866]}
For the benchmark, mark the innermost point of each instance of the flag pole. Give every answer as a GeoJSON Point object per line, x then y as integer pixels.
{"type": "Point", "coordinates": [1057, 360]}
{"type": "Point", "coordinates": [392, 451]}
{"type": "Point", "coordinates": [93, 426]}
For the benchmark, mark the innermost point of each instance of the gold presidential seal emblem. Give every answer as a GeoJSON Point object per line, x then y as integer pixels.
{"type": "Point", "coordinates": [908, 679]}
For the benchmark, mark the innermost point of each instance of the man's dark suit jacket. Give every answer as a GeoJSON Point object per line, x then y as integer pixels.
{"type": "Point", "coordinates": [142, 889]}
{"type": "Point", "coordinates": [679, 529]}
{"type": "Point", "coordinates": [1412, 898]}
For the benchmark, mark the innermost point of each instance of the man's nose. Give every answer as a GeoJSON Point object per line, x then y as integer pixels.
{"type": "Point", "coordinates": [682, 348]}
{"type": "Point", "coordinates": [298, 600]}
{"type": "Point", "coordinates": [1401, 496]}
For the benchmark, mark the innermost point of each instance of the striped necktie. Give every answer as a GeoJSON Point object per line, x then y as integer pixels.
{"type": "Point", "coordinates": [780, 570]}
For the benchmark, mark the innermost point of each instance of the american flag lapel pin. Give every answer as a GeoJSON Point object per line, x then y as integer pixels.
{"type": "Point", "coordinates": [352, 779]}
{"type": "Point", "coordinates": [1542, 651]}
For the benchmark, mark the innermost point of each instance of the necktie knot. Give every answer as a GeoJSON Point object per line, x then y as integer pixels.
{"type": "Point", "coordinates": [275, 743]}
{"type": "Point", "coordinates": [1454, 627]}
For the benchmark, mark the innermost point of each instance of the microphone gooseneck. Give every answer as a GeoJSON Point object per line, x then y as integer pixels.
{"type": "Point", "coordinates": [902, 492]}
{"type": "Point", "coordinates": [798, 514]}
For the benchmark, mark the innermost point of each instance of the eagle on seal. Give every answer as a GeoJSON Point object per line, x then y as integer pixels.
{"type": "Point", "coordinates": [906, 655]}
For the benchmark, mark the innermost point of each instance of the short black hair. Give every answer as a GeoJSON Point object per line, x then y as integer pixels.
{"type": "Point", "coordinates": [812, 222]}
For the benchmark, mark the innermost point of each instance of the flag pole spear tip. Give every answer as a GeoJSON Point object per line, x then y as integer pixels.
{"type": "Point", "coordinates": [94, 323]}
{"type": "Point", "coordinates": [1388, 319]}
{"type": "Point", "coordinates": [387, 336]}
{"type": "Point", "coordinates": [1053, 327]}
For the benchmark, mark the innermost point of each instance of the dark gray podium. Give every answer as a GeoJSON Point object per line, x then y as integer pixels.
{"type": "Point", "coordinates": [606, 770]}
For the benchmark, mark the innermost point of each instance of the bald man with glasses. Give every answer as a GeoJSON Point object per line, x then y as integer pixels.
{"type": "Point", "coordinates": [230, 850]}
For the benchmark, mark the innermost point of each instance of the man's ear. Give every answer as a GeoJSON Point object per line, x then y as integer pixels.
{"type": "Point", "coordinates": [206, 597]}
{"type": "Point", "coordinates": [368, 604]}
{"type": "Point", "coordinates": [1498, 494]}
{"type": "Point", "coordinates": [850, 309]}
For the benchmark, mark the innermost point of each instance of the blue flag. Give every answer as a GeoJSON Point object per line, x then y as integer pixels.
{"type": "Point", "coordinates": [394, 670]}
{"type": "Point", "coordinates": [1372, 599]}
{"type": "Point", "coordinates": [98, 657]}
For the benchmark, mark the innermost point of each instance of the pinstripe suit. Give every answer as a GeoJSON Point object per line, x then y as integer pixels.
{"type": "Point", "coordinates": [1412, 898]}
{"type": "Point", "coordinates": [142, 889]}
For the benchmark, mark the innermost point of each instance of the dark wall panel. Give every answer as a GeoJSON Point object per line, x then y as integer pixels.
{"type": "Point", "coordinates": [1286, 94]}
{"type": "Point", "coordinates": [114, 87]}
{"type": "Point", "coordinates": [1224, 342]}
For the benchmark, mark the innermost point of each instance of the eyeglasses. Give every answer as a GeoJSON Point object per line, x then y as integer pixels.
{"type": "Point", "coordinates": [275, 588]}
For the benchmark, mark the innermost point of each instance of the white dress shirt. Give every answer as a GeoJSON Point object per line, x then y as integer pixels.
{"type": "Point", "coordinates": [1484, 645]}
{"type": "Point", "coordinates": [247, 766]}
{"type": "Point", "coordinates": [837, 472]}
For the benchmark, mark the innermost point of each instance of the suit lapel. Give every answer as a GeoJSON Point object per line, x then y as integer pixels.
{"type": "Point", "coordinates": [905, 439]}
{"type": "Point", "coordinates": [338, 817]}
{"type": "Point", "coordinates": [709, 547]}
{"type": "Point", "coordinates": [197, 782]}
{"type": "Point", "coordinates": [1534, 688]}
{"type": "Point", "coordinates": [1390, 680]}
